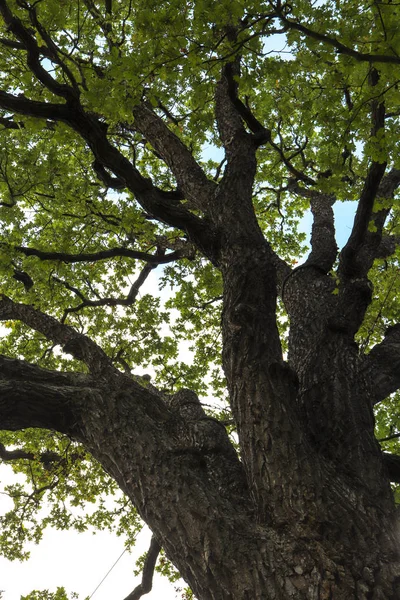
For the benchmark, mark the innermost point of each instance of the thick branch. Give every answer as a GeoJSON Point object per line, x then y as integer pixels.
{"type": "Point", "coordinates": [9, 123]}
{"type": "Point", "coordinates": [261, 133]}
{"type": "Point", "coordinates": [33, 108]}
{"type": "Point", "coordinates": [15, 26]}
{"type": "Point", "coordinates": [356, 260]}
{"type": "Point", "coordinates": [52, 52]}
{"type": "Point", "coordinates": [392, 463]}
{"type": "Point", "coordinates": [350, 265]}
{"type": "Point", "coordinates": [94, 133]}
{"type": "Point", "coordinates": [230, 124]}
{"type": "Point", "coordinates": [387, 246]}
{"type": "Point", "coordinates": [376, 243]}
{"type": "Point", "coordinates": [77, 344]}
{"type": "Point", "coordinates": [172, 213]}
{"type": "Point", "coordinates": [189, 175]}
{"type": "Point", "coordinates": [382, 365]}
{"type": "Point", "coordinates": [323, 242]}
{"type": "Point", "coordinates": [35, 397]}
{"type": "Point", "coordinates": [148, 571]}
{"type": "Point", "coordinates": [45, 457]}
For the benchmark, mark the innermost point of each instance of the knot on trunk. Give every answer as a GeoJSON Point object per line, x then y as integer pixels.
{"type": "Point", "coordinates": [187, 404]}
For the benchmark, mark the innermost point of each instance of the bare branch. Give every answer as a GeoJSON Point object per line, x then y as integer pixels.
{"type": "Point", "coordinates": [148, 571]}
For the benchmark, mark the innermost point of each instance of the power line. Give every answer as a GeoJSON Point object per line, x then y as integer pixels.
{"type": "Point", "coordinates": [107, 574]}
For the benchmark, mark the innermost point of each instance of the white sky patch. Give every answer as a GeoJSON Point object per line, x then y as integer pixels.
{"type": "Point", "coordinates": [77, 562]}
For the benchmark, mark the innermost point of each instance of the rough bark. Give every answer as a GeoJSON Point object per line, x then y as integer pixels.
{"type": "Point", "coordinates": [181, 472]}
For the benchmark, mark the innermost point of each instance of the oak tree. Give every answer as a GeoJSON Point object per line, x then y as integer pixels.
{"type": "Point", "coordinates": [186, 142]}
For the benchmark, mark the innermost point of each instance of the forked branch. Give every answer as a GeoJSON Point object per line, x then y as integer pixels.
{"type": "Point", "coordinates": [109, 301]}
{"type": "Point", "coordinates": [15, 26]}
{"type": "Point", "coordinates": [261, 133]}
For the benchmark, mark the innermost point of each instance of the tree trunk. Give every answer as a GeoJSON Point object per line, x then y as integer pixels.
{"type": "Point", "coordinates": [190, 488]}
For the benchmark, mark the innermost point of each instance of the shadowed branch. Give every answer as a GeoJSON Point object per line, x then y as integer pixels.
{"type": "Point", "coordinates": [383, 365]}
{"type": "Point", "coordinates": [392, 463]}
{"type": "Point", "coordinates": [148, 571]}
{"type": "Point", "coordinates": [154, 259]}
{"type": "Point", "coordinates": [109, 301]}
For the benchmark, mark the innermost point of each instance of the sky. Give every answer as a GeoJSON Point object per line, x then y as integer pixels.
{"type": "Point", "coordinates": [79, 562]}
